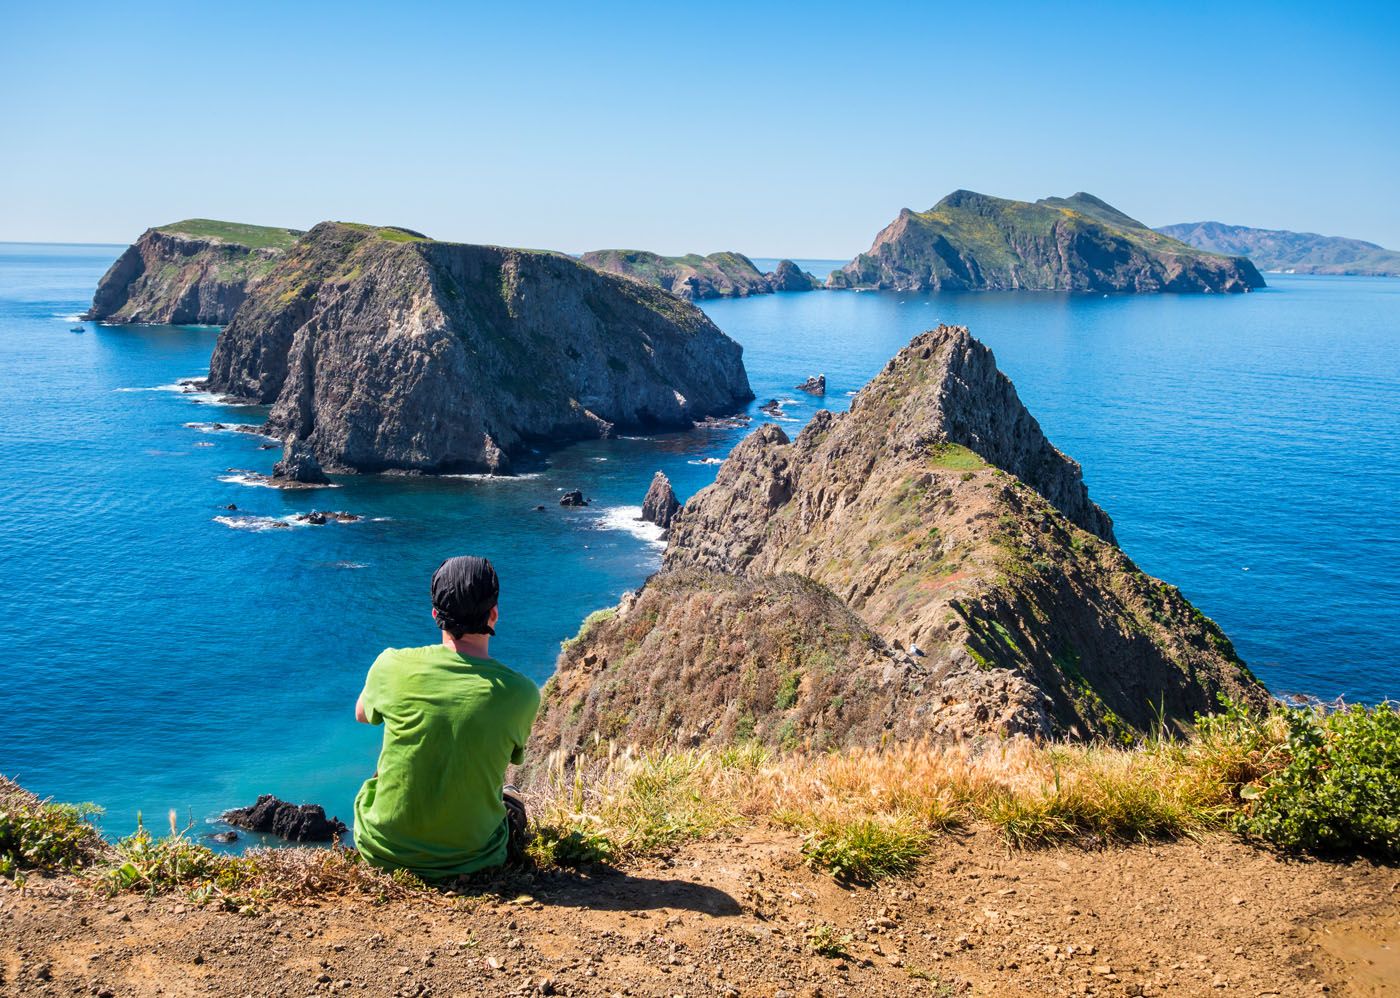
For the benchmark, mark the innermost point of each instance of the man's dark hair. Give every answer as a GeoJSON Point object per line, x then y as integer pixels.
{"type": "Point", "coordinates": [465, 590]}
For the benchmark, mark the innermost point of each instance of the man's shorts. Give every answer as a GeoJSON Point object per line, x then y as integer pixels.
{"type": "Point", "coordinates": [515, 818]}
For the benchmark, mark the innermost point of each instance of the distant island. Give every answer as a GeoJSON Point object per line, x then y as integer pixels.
{"type": "Point", "coordinates": [927, 565]}
{"type": "Point", "coordinates": [970, 241]}
{"type": "Point", "coordinates": [719, 275]}
{"type": "Point", "coordinates": [1290, 252]}
{"type": "Point", "coordinates": [381, 349]}
{"type": "Point", "coordinates": [195, 272]}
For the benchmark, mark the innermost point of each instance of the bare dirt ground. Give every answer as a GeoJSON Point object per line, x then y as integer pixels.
{"type": "Point", "coordinates": [732, 917]}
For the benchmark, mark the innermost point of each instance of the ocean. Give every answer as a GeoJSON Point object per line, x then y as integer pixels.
{"type": "Point", "coordinates": [160, 651]}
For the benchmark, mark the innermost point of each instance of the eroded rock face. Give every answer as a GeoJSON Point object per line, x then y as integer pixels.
{"type": "Point", "coordinates": [788, 276]}
{"type": "Point", "coordinates": [815, 385]}
{"type": "Point", "coordinates": [972, 241]}
{"type": "Point", "coordinates": [385, 350]}
{"type": "Point", "coordinates": [172, 276]}
{"type": "Point", "coordinates": [660, 505]}
{"type": "Point", "coordinates": [294, 822]}
{"type": "Point", "coordinates": [934, 515]}
{"type": "Point", "coordinates": [299, 464]}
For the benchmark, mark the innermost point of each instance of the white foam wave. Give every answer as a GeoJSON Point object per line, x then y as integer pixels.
{"type": "Point", "coordinates": [258, 524]}
{"type": "Point", "coordinates": [707, 460]}
{"type": "Point", "coordinates": [628, 519]}
{"type": "Point", "coordinates": [486, 476]}
{"type": "Point", "coordinates": [183, 388]}
{"type": "Point", "coordinates": [246, 429]}
{"type": "Point", "coordinates": [263, 481]}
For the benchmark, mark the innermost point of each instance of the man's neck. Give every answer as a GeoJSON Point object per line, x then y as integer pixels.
{"type": "Point", "coordinates": [471, 645]}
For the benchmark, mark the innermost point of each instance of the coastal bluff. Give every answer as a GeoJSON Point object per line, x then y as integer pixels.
{"type": "Point", "coordinates": [695, 277]}
{"type": "Point", "coordinates": [970, 241]}
{"type": "Point", "coordinates": [196, 272]}
{"type": "Point", "coordinates": [927, 565]}
{"type": "Point", "coordinates": [380, 349]}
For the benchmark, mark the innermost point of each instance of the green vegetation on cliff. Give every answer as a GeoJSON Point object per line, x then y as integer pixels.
{"type": "Point", "coordinates": [1080, 243]}
{"type": "Point", "coordinates": [252, 236]}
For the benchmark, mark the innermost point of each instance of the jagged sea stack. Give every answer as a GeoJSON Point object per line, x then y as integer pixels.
{"type": "Point", "coordinates": [196, 271]}
{"type": "Point", "coordinates": [660, 505]}
{"type": "Point", "coordinates": [935, 516]}
{"type": "Point", "coordinates": [383, 349]}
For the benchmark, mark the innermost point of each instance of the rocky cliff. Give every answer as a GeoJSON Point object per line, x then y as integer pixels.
{"type": "Point", "coordinates": [719, 275]}
{"type": "Point", "coordinates": [926, 565]}
{"type": "Point", "coordinates": [196, 271]}
{"type": "Point", "coordinates": [382, 349]}
{"type": "Point", "coordinates": [972, 241]}
{"type": "Point", "coordinates": [1293, 252]}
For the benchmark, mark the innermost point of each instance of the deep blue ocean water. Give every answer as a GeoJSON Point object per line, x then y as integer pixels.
{"type": "Point", "coordinates": [156, 656]}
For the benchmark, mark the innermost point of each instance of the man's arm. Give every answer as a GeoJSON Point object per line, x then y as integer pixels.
{"type": "Point", "coordinates": [360, 714]}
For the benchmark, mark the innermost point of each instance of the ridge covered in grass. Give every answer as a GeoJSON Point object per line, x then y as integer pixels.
{"type": "Point", "coordinates": [252, 236]}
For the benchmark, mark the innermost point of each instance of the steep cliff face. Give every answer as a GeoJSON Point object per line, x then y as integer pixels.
{"type": "Point", "coordinates": [972, 241]}
{"type": "Point", "coordinates": [1293, 252]}
{"type": "Point", "coordinates": [695, 277]}
{"type": "Point", "coordinates": [382, 349]}
{"type": "Point", "coordinates": [196, 271]}
{"type": "Point", "coordinates": [953, 577]}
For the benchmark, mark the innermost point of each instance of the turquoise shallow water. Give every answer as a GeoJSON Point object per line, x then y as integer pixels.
{"type": "Point", "coordinates": [155, 657]}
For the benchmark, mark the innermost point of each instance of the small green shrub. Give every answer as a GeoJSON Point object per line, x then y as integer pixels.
{"type": "Point", "coordinates": [157, 865]}
{"type": "Point", "coordinates": [41, 835]}
{"type": "Point", "coordinates": [555, 845]}
{"type": "Point", "coordinates": [1338, 788]}
{"type": "Point", "coordinates": [864, 850]}
{"type": "Point", "coordinates": [823, 941]}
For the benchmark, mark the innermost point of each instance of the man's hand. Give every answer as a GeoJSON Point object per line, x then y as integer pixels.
{"type": "Point", "coordinates": [360, 714]}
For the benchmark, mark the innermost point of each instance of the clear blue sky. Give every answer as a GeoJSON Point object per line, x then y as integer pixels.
{"type": "Point", "coordinates": [770, 128]}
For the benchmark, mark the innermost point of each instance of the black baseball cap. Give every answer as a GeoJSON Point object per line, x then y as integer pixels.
{"type": "Point", "coordinates": [464, 590]}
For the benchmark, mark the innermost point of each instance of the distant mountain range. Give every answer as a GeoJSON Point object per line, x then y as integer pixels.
{"type": "Point", "coordinates": [1281, 250]}
{"type": "Point", "coordinates": [971, 241]}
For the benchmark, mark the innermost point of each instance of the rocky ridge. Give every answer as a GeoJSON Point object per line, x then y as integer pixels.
{"type": "Point", "coordinates": [694, 277]}
{"type": "Point", "coordinates": [1291, 252]}
{"type": "Point", "coordinates": [970, 241]}
{"type": "Point", "coordinates": [381, 349]}
{"type": "Point", "coordinates": [660, 505]}
{"type": "Point", "coordinates": [926, 565]}
{"type": "Point", "coordinates": [198, 271]}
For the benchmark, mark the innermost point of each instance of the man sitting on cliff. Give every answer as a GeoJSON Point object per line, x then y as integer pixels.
{"type": "Point", "coordinates": [454, 718]}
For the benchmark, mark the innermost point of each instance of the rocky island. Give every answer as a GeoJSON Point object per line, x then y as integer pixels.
{"type": "Point", "coordinates": [926, 565]}
{"type": "Point", "coordinates": [193, 272]}
{"type": "Point", "coordinates": [970, 241]}
{"type": "Point", "coordinates": [380, 349]}
{"type": "Point", "coordinates": [1290, 252]}
{"type": "Point", "coordinates": [719, 275]}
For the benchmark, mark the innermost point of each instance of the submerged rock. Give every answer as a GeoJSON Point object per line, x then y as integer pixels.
{"type": "Point", "coordinates": [814, 386]}
{"type": "Point", "coordinates": [573, 498]}
{"type": "Point", "coordinates": [771, 408]}
{"type": "Point", "coordinates": [224, 837]}
{"type": "Point", "coordinates": [319, 517]}
{"type": "Point", "coordinates": [295, 822]}
{"type": "Point", "coordinates": [660, 505]}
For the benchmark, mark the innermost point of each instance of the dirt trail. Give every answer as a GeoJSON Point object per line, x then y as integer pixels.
{"type": "Point", "coordinates": [732, 917]}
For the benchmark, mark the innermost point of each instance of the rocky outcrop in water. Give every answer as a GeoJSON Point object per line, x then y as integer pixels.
{"type": "Point", "coordinates": [925, 565]}
{"type": "Point", "coordinates": [294, 822]}
{"type": "Point", "coordinates": [972, 241]}
{"type": "Point", "coordinates": [299, 465]}
{"type": "Point", "coordinates": [814, 385]}
{"type": "Point", "coordinates": [695, 277]}
{"type": "Point", "coordinates": [197, 271]}
{"type": "Point", "coordinates": [660, 505]}
{"type": "Point", "coordinates": [381, 349]}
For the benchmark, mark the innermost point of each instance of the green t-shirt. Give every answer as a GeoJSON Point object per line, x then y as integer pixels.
{"type": "Point", "coordinates": [451, 726]}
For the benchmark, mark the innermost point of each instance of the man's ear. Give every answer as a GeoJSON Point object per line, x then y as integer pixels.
{"type": "Point", "coordinates": [434, 614]}
{"type": "Point", "coordinates": [495, 616]}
